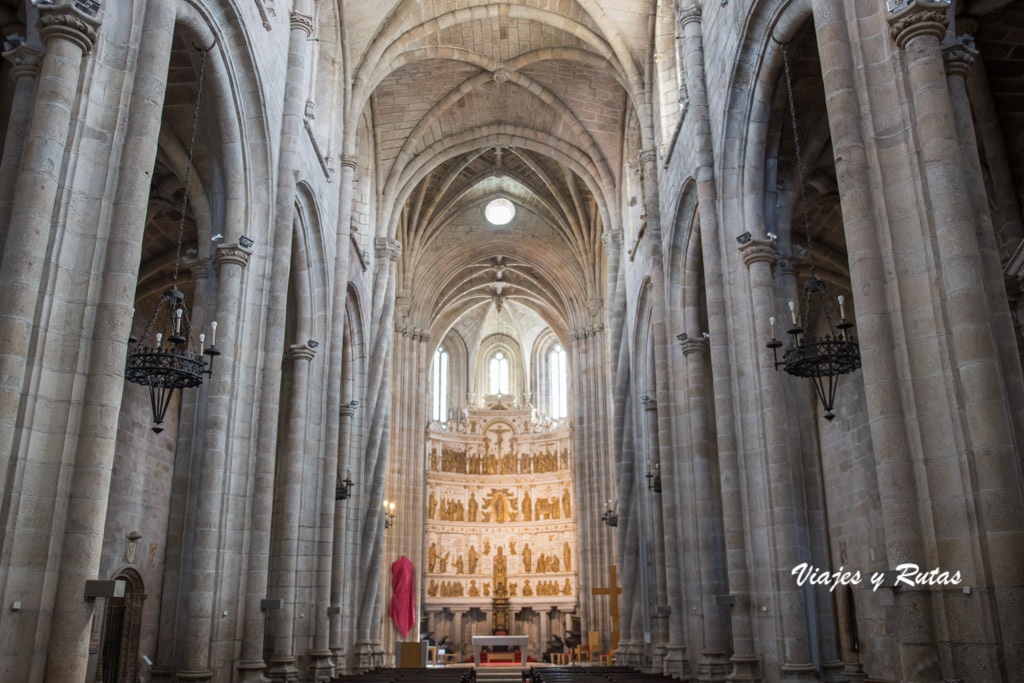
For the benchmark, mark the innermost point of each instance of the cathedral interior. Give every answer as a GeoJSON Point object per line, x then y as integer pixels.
{"type": "Point", "coordinates": [691, 329]}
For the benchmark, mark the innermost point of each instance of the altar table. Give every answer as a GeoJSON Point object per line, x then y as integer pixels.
{"type": "Point", "coordinates": [491, 641]}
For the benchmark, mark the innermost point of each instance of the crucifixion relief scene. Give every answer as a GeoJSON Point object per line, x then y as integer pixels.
{"type": "Point", "coordinates": [536, 341]}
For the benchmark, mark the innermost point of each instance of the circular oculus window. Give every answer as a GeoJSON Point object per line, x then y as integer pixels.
{"type": "Point", "coordinates": [500, 212]}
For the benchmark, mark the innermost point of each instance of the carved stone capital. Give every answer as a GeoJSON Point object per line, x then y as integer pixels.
{"type": "Point", "coordinates": [649, 402]}
{"type": "Point", "coordinates": [349, 161]}
{"type": "Point", "coordinates": [76, 22]}
{"type": "Point", "coordinates": [919, 18]}
{"type": "Point", "coordinates": [301, 22]}
{"type": "Point", "coordinates": [25, 60]}
{"type": "Point", "coordinates": [231, 254]}
{"type": "Point", "coordinates": [688, 13]}
{"type": "Point", "coordinates": [960, 59]}
{"type": "Point", "coordinates": [348, 409]}
{"type": "Point", "coordinates": [301, 352]}
{"type": "Point", "coordinates": [385, 247]}
{"type": "Point", "coordinates": [612, 239]}
{"type": "Point", "coordinates": [199, 267]}
{"type": "Point", "coordinates": [789, 266]}
{"type": "Point", "coordinates": [755, 251]}
{"type": "Point", "coordinates": [691, 346]}
{"type": "Point", "coordinates": [648, 156]}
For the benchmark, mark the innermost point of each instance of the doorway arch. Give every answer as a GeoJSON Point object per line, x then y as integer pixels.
{"type": "Point", "coordinates": [122, 625]}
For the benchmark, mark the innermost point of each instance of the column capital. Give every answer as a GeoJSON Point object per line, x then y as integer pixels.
{"type": "Point", "coordinates": [387, 247]}
{"type": "Point", "coordinates": [77, 22]}
{"type": "Point", "coordinates": [25, 60]}
{"type": "Point", "coordinates": [919, 18]}
{"type": "Point", "coordinates": [960, 59]}
{"type": "Point", "coordinates": [199, 267]}
{"type": "Point", "coordinates": [691, 346]}
{"type": "Point", "coordinates": [300, 352]}
{"type": "Point", "coordinates": [233, 254]}
{"type": "Point", "coordinates": [789, 266]}
{"type": "Point", "coordinates": [349, 161]}
{"type": "Point", "coordinates": [302, 22]}
{"type": "Point", "coordinates": [612, 239]}
{"type": "Point", "coordinates": [687, 14]}
{"type": "Point", "coordinates": [348, 409]}
{"type": "Point", "coordinates": [649, 402]}
{"type": "Point", "coordinates": [755, 251]}
{"type": "Point", "coordinates": [648, 156]}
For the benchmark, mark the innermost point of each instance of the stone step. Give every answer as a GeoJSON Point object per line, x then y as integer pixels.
{"type": "Point", "coordinates": [499, 675]}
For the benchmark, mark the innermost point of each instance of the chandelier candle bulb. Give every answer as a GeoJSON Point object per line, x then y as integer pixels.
{"type": "Point", "coordinates": [159, 339]}
{"type": "Point", "coordinates": [842, 309]}
{"type": "Point", "coordinates": [213, 333]}
{"type": "Point", "coordinates": [771, 321]}
{"type": "Point", "coordinates": [177, 321]}
{"type": "Point", "coordinates": [792, 311]}
{"type": "Point", "coordinates": [202, 343]}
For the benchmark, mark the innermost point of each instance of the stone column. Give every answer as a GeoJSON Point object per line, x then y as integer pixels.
{"type": "Point", "coordinates": [458, 644]}
{"type": "Point", "coordinates": [960, 59]}
{"type": "Point", "coordinates": [367, 650]}
{"type": "Point", "coordinates": [897, 480]}
{"type": "Point", "coordinates": [744, 661]}
{"type": "Point", "coordinates": [657, 512]}
{"type": "Point", "coordinates": [981, 399]}
{"type": "Point", "coordinates": [291, 473]}
{"type": "Point", "coordinates": [172, 590]}
{"type": "Point", "coordinates": [340, 549]}
{"type": "Point", "coordinates": [782, 500]}
{"type": "Point", "coordinates": [68, 35]}
{"type": "Point", "coordinates": [25, 59]}
{"type": "Point", "coordinates": [230, 262]}
{"type": "Point", "coordinates": [714, 663]}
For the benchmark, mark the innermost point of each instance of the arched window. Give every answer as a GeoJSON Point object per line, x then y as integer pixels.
{"type": "Point", "coordinates": [439, 402]}
{"type": "Point", "coordinates": [558, 377]}
{"type": "Point", "coordinates": [498, 374]}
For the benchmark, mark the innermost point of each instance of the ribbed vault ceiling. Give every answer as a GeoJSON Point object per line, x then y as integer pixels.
{"type": "Point", "coordinates": [476, 100]}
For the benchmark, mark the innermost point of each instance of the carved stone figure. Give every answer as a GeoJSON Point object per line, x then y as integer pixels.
{"type": "Point", "coordinates": [566, 505]}
{"type": "Point", "coordinates": [527, 553]}
{"type": "Point", "coordinates": [444, 563]}
{"type": "Point", "coordinates": [432, 510]}
{"type": "Point", "coordinates": [567, 556]}
{"type": "Point", "coordinates": [460, 566]}
{"type": "Point", "coordinates": [474, 592]}
{"type": "Point", "coordinates": [512, 547]}
{"type": "Point", "coordinates": [474, 559]}
{"type": "Point", "coordinates": [527, 591]}
{"type": "Point", "coordinates": [473, 507]}
{"type": "Point", "coordinates": [432, 557]}
{"type": "Point", "coordinates": [567, 588]}
{"type": "Point", "coordinates": [527, 508]}
{"type": "Point", "coordinates": [487, 589]}
{"type": "Point", "coordinates": [432, 589]}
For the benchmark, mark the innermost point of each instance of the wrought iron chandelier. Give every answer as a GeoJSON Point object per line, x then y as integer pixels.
{"type": "Point", "coordinates": [389, 514]}
{"type": "Point", "coordinates": [165, 358]}
{"type": "Point", "coordinates": [822, 358]}
{"type": "Point", "coordinates": [610, 516]}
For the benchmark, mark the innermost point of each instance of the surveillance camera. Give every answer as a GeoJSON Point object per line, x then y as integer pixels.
{"type": "Point", "coordinates": [772, 236]}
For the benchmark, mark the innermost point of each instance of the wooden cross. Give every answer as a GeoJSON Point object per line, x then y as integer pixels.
{"type": "Point", "coordinates": [613, 592]}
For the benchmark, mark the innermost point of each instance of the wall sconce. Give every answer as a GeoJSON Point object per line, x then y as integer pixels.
{"type": "Point", "coordinates": [654, 478]}
{"type": "Point", "coordinates": [610, 516]}
{"type": "Point", "coordinates": [389, 514]}
{"type": "Point", "coordinates": [344, 490]}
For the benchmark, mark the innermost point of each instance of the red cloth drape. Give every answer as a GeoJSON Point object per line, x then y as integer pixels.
{"type": "Point", "coordinates": [403, 599]}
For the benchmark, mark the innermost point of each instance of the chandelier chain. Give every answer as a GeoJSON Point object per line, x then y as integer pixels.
{"type": "Point", "coordinates": [188, 163]}
{"type": "Point", "coordinates": [803, 192]}
{"type": "Point", "coordinates": [799, 158]}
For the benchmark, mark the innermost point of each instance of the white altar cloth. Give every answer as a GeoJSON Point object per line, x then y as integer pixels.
{"type": "Point", "coordinates": [490, 641]}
